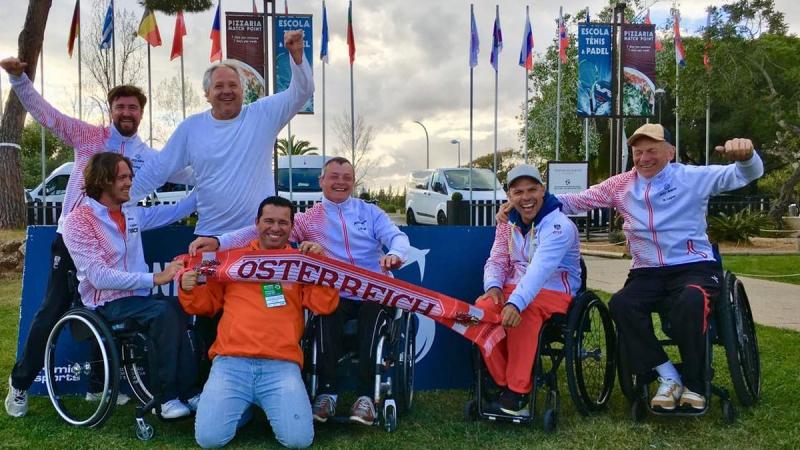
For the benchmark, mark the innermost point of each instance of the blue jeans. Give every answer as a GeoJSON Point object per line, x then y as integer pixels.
{"type": "Point", "coordinates": [236, 383]}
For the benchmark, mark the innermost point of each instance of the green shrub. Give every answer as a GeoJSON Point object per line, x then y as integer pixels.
{"type": "Point", "coordinates": [738, 227]}
{"type": "Point", "coordinates": [457, 197]}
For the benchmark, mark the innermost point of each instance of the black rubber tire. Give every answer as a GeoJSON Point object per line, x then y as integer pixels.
{"type": "Point", "coordinates": [407, 369]}
{"type": "Point", "coordinates": [740, 341]}
{"type": "Point", "coordinates": [471, 410]}
{"type": "Point", "coordinates": [728, 412]}
{"type": "Point", "coordinates": [86, 329]}
{"type": "Point", "coordinates": [550, 421]}
{"type": "Point", "coordinates": [410, 219]}
{"type": "Point", "coordinates": [590, 347]}
{"type": "Point", "coordinates": [441, 218]}
{"type": "Point", "coordinates": [639, 410]}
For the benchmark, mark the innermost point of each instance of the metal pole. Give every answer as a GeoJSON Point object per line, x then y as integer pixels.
{"type": "Point", "coordinates": [708, 127]}
{"type": "Point", "coordinates": [558, 90]}
{"type": "Point", "coordinates": [352, 121]}
{"type": "Point", "coordinates": [494, 160]}
{"type": "Point", "coordinates": [323, 112]}
{"type": "Point", "coordinates": [471, 70]}
{"type": "Point", "coordinates": [677, 116]}
{"type": "Point", "coordinates": [43, 147]}
{"type": "Point", "coordinates": [80, 82]}
{"type": "Point", "coordinates": [113, 44]}
{"type": "Point", "coordinates": [290, 152]}
{"type": "Point", "coordinates": [459, 153]}
{"type": "Point", "coordinates": [149, 96]}
{"type": "Point", "coordinates": [586, 138]}
{"type": "Point", "coordinates": [527, 15]}
{"type": "Point", "coordinates": [266, 51]}
{"type": "Point", "coordinates": [427, 146]}
{"type": "Point", "coordinates": [1, 96]}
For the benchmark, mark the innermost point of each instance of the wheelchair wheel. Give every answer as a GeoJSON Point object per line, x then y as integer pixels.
{"type": "Point", "coordinates": [81, 357]}
{"type": "Point", "coordinates": [136, 353]}
{"type": "Point", "coordinates": [590, 346]}
{"type": "Point", "coordinates": [626, 377]}
{"type": "Point", "coordinates": [406, 358]}
{"type": "Point", "coordinates": [739, 339]}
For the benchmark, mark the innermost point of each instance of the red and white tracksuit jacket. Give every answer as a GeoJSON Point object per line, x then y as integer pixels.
{"type": "Point", "coordinates": [111, 262]}
{"type": "Point", "coordinates": [547, 257]}
{"type": "Point", "coordinates": [87, 140]}
{"type": "Point", "coordinates": [665, 216]}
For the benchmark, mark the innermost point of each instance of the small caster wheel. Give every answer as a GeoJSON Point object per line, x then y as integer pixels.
{"type": "Point", "coordinates": [728, 411]}
{"type": "Point", "coordinates": [144, 431]}
{"type": "Point", "coordinates": [471, 410]}
{"type": "Point", "coordinates": [390, 418]}
{"type": "Point", "coordinates": [550, 421]}
{"type": "Point", "coordinates": [638, 410]}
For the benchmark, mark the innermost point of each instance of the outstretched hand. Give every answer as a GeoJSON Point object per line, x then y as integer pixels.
{"type": "Point", "coordinates": [13, 66]}
{"type": "Point", "coordinates": [736, 149]}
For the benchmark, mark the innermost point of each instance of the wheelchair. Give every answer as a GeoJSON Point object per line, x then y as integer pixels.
{"type": "Point", "coordinates": [85, 353]}
{"type": "Point", "coordinates": [585, 340]}
{"type": "Point", "coordinates": [731, 326]}
{"type": "Point", "coordinates": [395, 360]}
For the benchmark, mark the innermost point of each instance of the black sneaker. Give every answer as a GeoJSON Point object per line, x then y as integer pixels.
{"type": "Point", "coordinates": [512, 404]}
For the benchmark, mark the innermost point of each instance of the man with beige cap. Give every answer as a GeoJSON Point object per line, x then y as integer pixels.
{"type": "Point", "coordinates": [674, 270]}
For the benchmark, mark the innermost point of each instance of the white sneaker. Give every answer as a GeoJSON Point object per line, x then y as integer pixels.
{"type": "Point", "coordinates": [693, 399]}
{"type": "Point", "coordinates": [16, 401]}
{"type": "Point", "coordinates": [193, 402]}
{"type": "Point", "coordinates": [668, 394]}
{"type": "Point", "coordinates": [174, 409]}
{"type": "Point", "coordinates": [122, 399]}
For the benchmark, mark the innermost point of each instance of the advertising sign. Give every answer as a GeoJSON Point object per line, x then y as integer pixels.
{"type": "Point", "coordinates": [594, 70]}
{"type": "Point", "coordinates": [282, 69]}
{"type": "Point", "coordinates": [639, 70]}
{"type": "Point", "coordinates": [245, 39]}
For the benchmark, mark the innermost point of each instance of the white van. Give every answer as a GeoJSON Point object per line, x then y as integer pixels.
{"type": "Point", "coordinates": [306, 170]}
{"type": "Point", "coordinates": [428, 191]}
{"type": "Point", "coordinates": [56, 185]}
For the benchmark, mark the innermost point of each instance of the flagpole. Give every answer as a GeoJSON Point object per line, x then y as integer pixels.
{"type": "Point", "coordinates": [80, 78]}
{"type": "Point", "coordinates": [149, 95]}
{"type": "Point", "coordinates": [496, 78]}
{"type": "Point", "coordinates": [677, 114]}
{"type": "Point", "coordinates": [708, 127]}
{"type": "Point", "coordinates": [558, 89]}
{"type": "Point", "coordinates": [290, 152]}
{"type": "Point", "coordinates": [527, 12]}
{"type": "Point", "coordinates": [43, 149]}
{"type": "Point", "coordinates": [113, 44]}
{"type": "Point", "coordinates": [183, 88]}
{"type": "Point", "coordinates": [323, 88]}
{"type": "Point", "coordinates": [586, 138]}
{"type": "Point", "coordinates": [352, 119]}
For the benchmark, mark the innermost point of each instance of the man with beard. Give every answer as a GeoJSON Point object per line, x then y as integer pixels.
{"type": "Point", "coordinates": [126, 104]}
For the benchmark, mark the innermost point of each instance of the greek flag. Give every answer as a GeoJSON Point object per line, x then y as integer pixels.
{"type": "Point", "coordinates": [108, 27]}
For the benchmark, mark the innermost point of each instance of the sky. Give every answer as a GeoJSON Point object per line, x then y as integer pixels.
{"type": "Point", "coordinates": [412, 64]}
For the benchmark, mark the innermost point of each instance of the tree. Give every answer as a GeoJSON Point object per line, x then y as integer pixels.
{"type": "Point", "coordinates": [130, 64]}
{"type": "Point", "coordinates": [57, 153]}
{"type": "Point", "coordinates": [293, 147]}
{"type": "Point", "coordinates": [506, 159]}
{"type": "Point", "coordinates": [364, 135]}
{"type": "Point", "coordinates": [170, 105]}
{"type": "Point", "coordinates": [173, 6]}
{"type": "Point", "coordinates": [12, 204]}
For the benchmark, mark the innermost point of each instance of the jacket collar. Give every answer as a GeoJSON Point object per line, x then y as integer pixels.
{"type": "Point", "coordinates": [550, 204]}
{"type": "Point", "coordinates": [344, 205]}
{"type": "Point", "coordinates": [115, 140]}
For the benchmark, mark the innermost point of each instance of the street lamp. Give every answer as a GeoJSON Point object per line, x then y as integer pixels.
{"type": "Point", "coordinates": [456, 141]}
{"type": "Point", "coordinates": [427, 146]}
{"type": "Point", "coordinates": [660, 99]}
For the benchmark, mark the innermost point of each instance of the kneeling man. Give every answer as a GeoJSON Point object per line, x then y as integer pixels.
{"type": "Point", "coordinates": [257, 357]}
{"type": "Point", "coordinates": [533, 272]}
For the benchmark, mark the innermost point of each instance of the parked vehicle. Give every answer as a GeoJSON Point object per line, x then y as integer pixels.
{"type": "Point", "coordinates": [428, 191]}
{"type": "Point", "coordinates": [305, 189]}
{"type": "Point", "coordinates": [55, 185]}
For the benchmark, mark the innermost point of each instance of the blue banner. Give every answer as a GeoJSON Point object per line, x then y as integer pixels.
{"type": "Point", "coordinates": [595, 91]}
{"type": "Point", "coordinates": [282, 70]}
{"type": "Point", "coordinates": [437, 261]}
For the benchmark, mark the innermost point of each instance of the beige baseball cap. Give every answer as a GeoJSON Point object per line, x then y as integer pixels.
{"type": "Point", "coordinates": [653, 131]}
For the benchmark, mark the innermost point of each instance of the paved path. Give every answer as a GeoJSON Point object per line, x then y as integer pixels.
{"type": "Point", "coordinates": [773, 303]}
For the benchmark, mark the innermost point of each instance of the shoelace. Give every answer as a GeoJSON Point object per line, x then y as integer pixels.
{"type": "Point", "coordinates": [324, 403]}
{"type": "Point", "coordinates": [364, 404]}
{"type": "Point", "coordinates": [19, 396]}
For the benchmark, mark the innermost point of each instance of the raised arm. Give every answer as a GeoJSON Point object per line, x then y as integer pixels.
{"type": "Point", "coordinates": [597, 196]}
{"type": "Point", "coordinates": [158, 169]}
{"type": "Point", "coordinates": [72, 131]}
{"type": "Point", "coordinates": [746, 168]}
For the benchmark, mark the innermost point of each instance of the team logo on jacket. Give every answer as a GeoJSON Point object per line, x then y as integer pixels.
{"type": "Point", "coordinates": [557, 226]}
{"type": "Point", "coordinates": [361, 224]}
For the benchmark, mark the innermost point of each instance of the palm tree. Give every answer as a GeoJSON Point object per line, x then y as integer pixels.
{"type": "Point", "coordinates": [293, 147]}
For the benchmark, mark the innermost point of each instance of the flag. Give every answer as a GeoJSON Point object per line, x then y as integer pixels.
{"type": "Point", "coordinates": [216, 40]}
{"type": "Point", "coordinates": [108, 27]}
{"type": "Point", "coordinates": [707, 47]}
{"type": "Point", "coordinates": [659, 47]}
{"type": "Point", "coordinates": [588, 17]}
{"type": "Point", "coordinates": [351, 39]}
{"type": "Point", "coordinates": [177, 39]}
{"type": "Point", "coordinates": [323, 47]}
{"type": "Point", "coordinates": [563, 41]}
{"type": "Point", "coordinates": [474, 42]}
{"type": "Point", "coordinates": [526, 52]}
{"type": "Point", "coordinates": [148, 29]}
{"type": "Point", "coordinates": [255, 9]}
{"type": "Point", "coordinates": [497, 41]}
{"type": "Point", "coordinates": [74, 28]}
{"type": "Point", "coordinates": [680, 51]}
{"type": "Point", "coordinates": [285, 7]}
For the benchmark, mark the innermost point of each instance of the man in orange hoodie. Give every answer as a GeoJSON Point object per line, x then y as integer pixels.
{"type": "Point", "coordinates": [257, 357]}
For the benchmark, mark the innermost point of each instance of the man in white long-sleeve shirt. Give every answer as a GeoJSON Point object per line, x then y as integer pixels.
{"type": "Point", "coordinates": [230, 146]}
{"type": "Point", "coordinates": [674, 270]}
{"type": "Point", "coordinates": [104, 239]}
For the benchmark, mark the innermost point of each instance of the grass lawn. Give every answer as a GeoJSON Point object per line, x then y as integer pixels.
{"type": "Point", "coordinates": [7, 235]}
{"type": "Point", "coordinates": [436, 421]}
{"type": "Point", "coordinates": [765, 267]}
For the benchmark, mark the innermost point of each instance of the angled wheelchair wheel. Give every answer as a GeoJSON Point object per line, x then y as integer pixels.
{"type": "Point", "coordinates": [406, 363]}
{"type": "Point", "coordinates": [590, 346]}
{"type": "Point", "coordinates": [739, 339]}
{"type": "Point", "coordinates": [81, 357]}
{"type": "Point", "coordinates": [626, 377]}
{"type": "Point", "coordinates": [137, 351]}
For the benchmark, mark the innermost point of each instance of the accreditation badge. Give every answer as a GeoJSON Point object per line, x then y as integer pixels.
{"type": "Point", "coordinates": [273, 295]}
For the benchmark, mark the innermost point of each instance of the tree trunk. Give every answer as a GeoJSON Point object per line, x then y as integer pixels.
{"type": "Point", "coordinates": [12, 200]}
{"type": "Point", "coordinates": [780, 204]}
